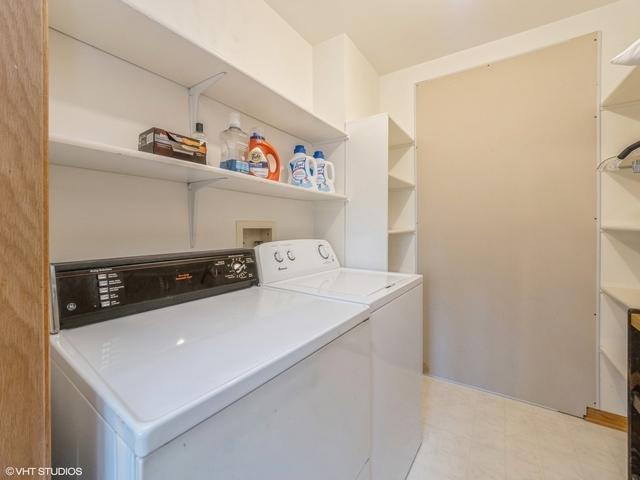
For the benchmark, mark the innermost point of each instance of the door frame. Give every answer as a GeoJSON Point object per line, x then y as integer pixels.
{"type": "Point", "coordinates": [24, 256]}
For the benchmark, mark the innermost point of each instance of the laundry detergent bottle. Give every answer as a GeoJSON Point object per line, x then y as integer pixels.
{"type": "Point", "coordinates": [263, 159]}
{"type": "Point", "coordinates": [302, 168]}
{"type": "Point", "coordinates": [325, 173]}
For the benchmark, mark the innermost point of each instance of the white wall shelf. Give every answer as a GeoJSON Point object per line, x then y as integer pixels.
{"type": "Point", "coordinates": [108, 158]}
{"type": "Point", "coordinates": [620, 228]}
{"type": "Point", "coordinates": [626, 94]}
{"type": "Point", "coordinates": [623, 172]}
{"type": "Point", "coordinates": [117, 28]}
{"type": "Point", "coordinates": [402, 231]}
{"type": "Point", "coordinates": [397, 183]}
{"type": "Point", "coordinates": [628, 297]}
{"type": "Point", "coordinates": [398, 137]}
{"type": "Point", "coordinates": [618, 363]}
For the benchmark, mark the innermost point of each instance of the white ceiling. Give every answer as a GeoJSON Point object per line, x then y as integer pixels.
{"type": "Point", "coordinates": [394, 34]}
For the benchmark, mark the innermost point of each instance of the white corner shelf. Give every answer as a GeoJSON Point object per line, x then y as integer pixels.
{"type": "Point", "coordinates": [107, 158]}
{"type": "Point", "coordinates": [397, 183]}
{"type": "Point", "coordinates": [398, 137]}
{"type": "Point", "coordinates": [119, 29]}
{"type": "Point", "coordinates": [628, 297]}
{"type": "Point", "coordinates": [620, 228]}
{"type": "Point", "coordinates": [401, 231]}
{"type": "Point", "coordinates": [626, 94]}
{"type": "Point", "coordinates": [616, 360]}
{"type": "Point", "coordinates": [625, 172]}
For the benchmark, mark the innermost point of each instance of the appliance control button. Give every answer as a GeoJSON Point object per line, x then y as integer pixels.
{"type": "Point", "coordinates": [238, 267]}
{"type": "Point", "coordinates": [322, 250]}
{"type": "Point", "coordinates": [103, 290]}
{"type": "Point", "coordinates": [71, 306]}
{"type": "Point", "coordinates": [102, 283]}
{"type": "Point", "coordinates": [290, 255]}
{"type": "Point", "coordinates": [105, 304]}
{"type": "Point", "coordinates": [102, 276]}
{"type": "Point", "coordinates": [278, 256]}
{"type": "Point", "coordinates": [104, 297]}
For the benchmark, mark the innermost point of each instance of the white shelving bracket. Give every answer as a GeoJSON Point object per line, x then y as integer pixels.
{"type": "Point", "coordinates": [192, 190]}
{"type": "Point", "coordinates": [194, 97]}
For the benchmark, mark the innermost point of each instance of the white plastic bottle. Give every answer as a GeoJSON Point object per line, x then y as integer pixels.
{"type": "Point", "coordinates": [234, 143]}
{"type": "Point", "coordinates": [325, 174]}
{"type": "Point", "coordinates": [198, 133]}
{"type": "Point", "coordinates": [301, 168]}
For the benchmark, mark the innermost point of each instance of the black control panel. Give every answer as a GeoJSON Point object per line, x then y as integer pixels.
{"type": "Point", "coordinates": [93, 291]}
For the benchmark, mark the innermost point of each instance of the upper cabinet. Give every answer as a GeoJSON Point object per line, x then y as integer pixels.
{"type": "Point", "coordinates": [121, 30]}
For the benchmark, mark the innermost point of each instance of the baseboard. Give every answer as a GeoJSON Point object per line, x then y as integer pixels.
{"type": "Point", "coordinates": [606, 419]}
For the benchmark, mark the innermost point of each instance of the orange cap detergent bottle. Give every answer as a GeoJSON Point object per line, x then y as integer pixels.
{"type": "Point", "coordinates": [263, 159]}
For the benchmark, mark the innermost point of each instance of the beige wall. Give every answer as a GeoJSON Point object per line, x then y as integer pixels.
{"type": "Point", "coordinates": [618, 23]}
{"type": "Point", "coordinates": [507, 231]}
{"type": "Point", "coordinates": [619, 26]}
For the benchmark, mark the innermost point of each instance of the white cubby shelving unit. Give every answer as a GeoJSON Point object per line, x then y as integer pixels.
{"type": "Point", "coordinates": [155, 47]}
{"type": "Point", "coordinates": [381, 185]}
{"type": "Point", "coordinates": [619, 242]}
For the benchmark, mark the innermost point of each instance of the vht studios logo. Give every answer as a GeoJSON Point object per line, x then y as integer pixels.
{"type": "Point", "coordinates": [40, 471]}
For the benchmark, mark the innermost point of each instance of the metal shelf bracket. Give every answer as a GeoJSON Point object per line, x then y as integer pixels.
{"type": "Point", "coordinates": [194, 97]}
{"type": "Point", "coordinates": [192, 189]}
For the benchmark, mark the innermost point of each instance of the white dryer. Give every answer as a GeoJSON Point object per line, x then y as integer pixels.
{"type": "Point", "coordinates": [395, 300]}
{"type": "Point", "coordinates": [179, 366]}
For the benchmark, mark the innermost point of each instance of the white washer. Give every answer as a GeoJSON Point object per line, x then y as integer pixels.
{"type": "Point", "coordinates": [395, 300]}
{"type": "Point", "coordinates": [250, 384]}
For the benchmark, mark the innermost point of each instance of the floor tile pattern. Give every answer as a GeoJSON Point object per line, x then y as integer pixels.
{"type": "Point", "coordinates": [473, 435]}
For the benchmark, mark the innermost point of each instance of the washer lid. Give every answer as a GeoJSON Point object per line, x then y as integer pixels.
{"type": "Point", "coordinates": [156, 374]}
{"type": "Point", "coordinates": [369, 287]}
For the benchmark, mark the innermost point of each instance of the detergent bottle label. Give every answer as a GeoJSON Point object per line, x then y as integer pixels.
{"type": "Point", "coordinates": [298, 172]}
{"type": "Point", "coordinates": [321, 180]}
{"type": "Point", "coordinates": [320, 175]}
{"type": "Point", "coordinates": [258, 163]}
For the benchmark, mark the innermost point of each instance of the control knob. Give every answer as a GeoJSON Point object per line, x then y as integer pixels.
{"type": "Point", "coordinates": [278, 256]}
{"type": "Point", "coordinates": [238, 267]}
{"type": "Point", "coordinates": [290, 255]}
{"type": "Point", "coordinates": [322, 250]}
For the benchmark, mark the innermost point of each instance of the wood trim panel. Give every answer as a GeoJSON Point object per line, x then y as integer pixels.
{"type": "Point", "coordinates": [606, 419]}
{"type": "Point", "coordinates": [24, 365]}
